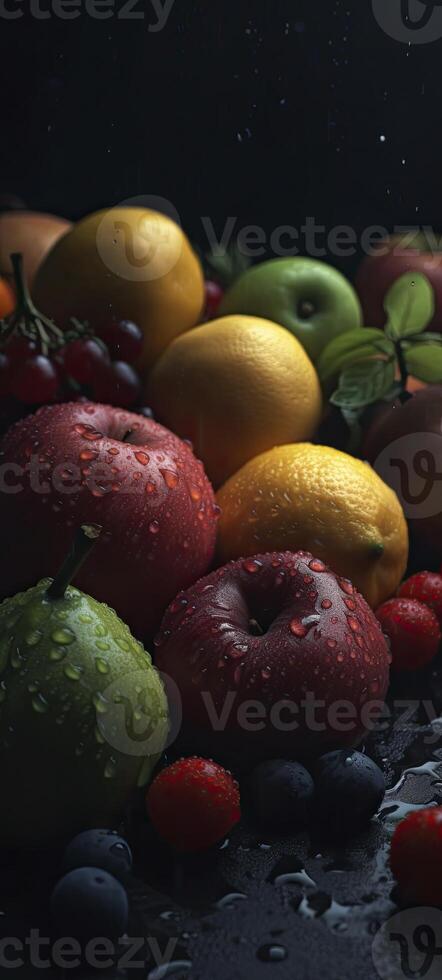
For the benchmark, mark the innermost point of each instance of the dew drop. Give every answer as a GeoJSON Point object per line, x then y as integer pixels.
{"type": "Point", "coordinates": [63, 635]}
{"type": "Point", "coordinates": [298, 629]}
{"type": "Point", "coordinates": [316, 565]}
{"type": "Point", "coordinates": [154, 527]}
{"type": "Point", "coordinates": [353, 624]}
{"type": "Point", "coordinates": [252, 565]}
{"type": "Point", "coordinates": [110, 768]}
{"type": "Point", "coordinates": [101, 665]}
{"type": "Point", "coordinates": [56, 654]}
{"type": "Point", "coordinates": [326, 603]}
{"type": "Point", "coordinates": [39, 704]}
{"type": "Point", "coordinates": [150, 487]}
{"type": "Point", "coordinates": [170, 478]}
{"type": "Point", "coordinates": [33, 638]}
{"type": "Point", "coordinates": [72, 672]}
{"type": "Point", "coordinates": [142, 458]}
{"type": "Point", "coordinates": [88, 454]}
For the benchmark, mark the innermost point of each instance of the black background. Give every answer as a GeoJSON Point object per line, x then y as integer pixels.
{"type": "Point", "coordinates": [267, 111]}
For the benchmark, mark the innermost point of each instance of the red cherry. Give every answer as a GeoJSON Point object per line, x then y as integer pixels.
{"type": "Point", "coordinates": [427, 588]}
{"type": "Point", "coordinates": [83, 358]}
{"type": "Point", "coordinates": [413, 630]}
{"type": "Point", "coordinates": [36, 381]}
{"type": "Point", "coordinates": [214, 295]}
{"type": "Point", "coordinates": [416, 857]}
{"type": "Point", "coordinates": [5, 374]}
{"type": "Point", "coordinates": [119, 385]}
{"type": "Point", "coordinates": [124, 340]}
{"type": "Point", "coordinates": [193, 804]}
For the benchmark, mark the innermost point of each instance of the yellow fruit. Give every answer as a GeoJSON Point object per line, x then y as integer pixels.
{"type": "Point", "coordinates": [318, 499]}
{"type": "Point", "coordinates": [235, 387]}
{"type": "Point", "coordinates": [125, 263]}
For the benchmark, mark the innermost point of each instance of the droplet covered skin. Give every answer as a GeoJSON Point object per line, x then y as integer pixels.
{"type": "Point", "coordinates": [87, 463]}
{"type": "Point", "coordinates": [71, 715]}
{"type": "Point", "coordinates": [256, 643]}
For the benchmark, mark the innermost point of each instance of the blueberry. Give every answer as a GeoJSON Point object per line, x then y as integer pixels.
{"type": "Point", "coordinates": [281, 793]}
{"type": "Point", "coordinates": [88, 903]}
{"type": "Point", "coordinates": [98, 849]}
{"type": "Point", "coordinates": [350, 788]}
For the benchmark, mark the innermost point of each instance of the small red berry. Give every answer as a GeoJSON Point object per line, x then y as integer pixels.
{"type": "Point", "coordinates": [427, 588]}
{"type": "Point", "coordinates": [84, 359]}
{"type": "Point", "coordinates": [119, 385]}
{"type": "Point", "coordinates": [36, 381]}
{"type": "Point", "coordinates": [413, 630]}
{"type": "Point", "coordinates": [214, 295]}
{"type": "Point", "coordinates": [123, 339]}
{"type": "Point", "coordinates": [416, 857]}
{"type": "Point", "coordinates": [193, 804]}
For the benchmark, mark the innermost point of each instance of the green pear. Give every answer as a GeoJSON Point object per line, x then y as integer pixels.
{"type": "Point", "coordinates": [312, 299]}
{"type": "Point", "coordinates": [83, 713]}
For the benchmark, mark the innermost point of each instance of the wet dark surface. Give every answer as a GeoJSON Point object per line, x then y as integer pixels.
{"type": "Point", "coordinates": [261, 905]}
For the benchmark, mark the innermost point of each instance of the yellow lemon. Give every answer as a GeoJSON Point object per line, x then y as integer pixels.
{"type": "Point", "coordinates": [236, 387]}
{"type": "Point", "coordinates": [316, 498]}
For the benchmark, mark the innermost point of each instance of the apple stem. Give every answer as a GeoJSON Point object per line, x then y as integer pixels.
{"type": "Point", "coordinates": [84, 540]}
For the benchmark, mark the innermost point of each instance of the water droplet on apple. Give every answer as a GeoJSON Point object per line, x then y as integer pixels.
{"type": "Point", "coordinates": [353, 624]}
{"type": "Point", "coordinates": [142, 457]}
{"type": "Point", "coordinates": [72, 672]}
{"type": "Point", "coordinates": [326, 603]}
{"type": "Point", "coordinates": [346, 586]}
{"type": "Point", "coordinates": [154, 527]}
{"type": "Point", "coordinates": [298, 629]}
{"type": "Point", "coordinates": [316, 565]}
{"type": "Point", "coordinates": [171, 479]}
{"type": "Point", "coordinates": [150, 487]}
{"type": "Point", "coordinates": [57, 654]}
{"type": "Point", "coordinates": [252, 565]}
{"type": "Point", "coordinates": [101, 665]}
{"type": "Point", "coordinates": [40, 704]}
{"type": "Point", "coordinates": [63, 635]}
{"type": "Point", "coordinates": [33, 638]}
{"type": "Point", "coordinates": [88, 454]}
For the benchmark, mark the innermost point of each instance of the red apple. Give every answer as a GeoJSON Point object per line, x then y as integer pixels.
{"type": "Point", "coordinates": [390, 260]}
{"type": "Point", "coordinates": [82, 462]}
{"type": "Point", "coordinates": [253, 645]}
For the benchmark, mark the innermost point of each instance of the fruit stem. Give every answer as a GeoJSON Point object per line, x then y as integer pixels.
{"type": "Point", "coordinates": [84, 540]}
{"type": "Point", "coordinates": [402, 367]}
{"type": "Point", "coordinates": [24, 302]}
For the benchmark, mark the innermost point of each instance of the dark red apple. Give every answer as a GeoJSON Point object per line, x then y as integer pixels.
{"type": "Point", "coordinates": [390, 260]}
{"type": "Point", "coordinates": [76, 463]}
{"type": "Point", "coordinates": [404, 444]}
{"type": "Point", "coordinates": [254, 645]}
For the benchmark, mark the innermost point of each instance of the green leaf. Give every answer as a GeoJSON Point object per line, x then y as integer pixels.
{"type": "Point", "coordinates": [364, 384]}
{"type": "Point", "coordinates": [425, 362]}
{"type": "Point", "coordinates": [352, 417]}
{"type": "Point", "coordinates": [409, 305]}
{"type": "Point", "coordinates": [350, 347]}
{"type": "Point", "coordinates": [423, 338]}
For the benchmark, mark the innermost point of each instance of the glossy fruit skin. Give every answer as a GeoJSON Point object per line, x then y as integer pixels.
{"type": "Point", "coordinates": [62, 662]}
{"type": "Point", "coordinates": [214, 296]}
{"type": "Point", "coordinates": [83, 359]}
{"type": "Point", "coordinates": [281, 794]}
{"type": "Point", "coordinates": [123, 339]}
{"type": "Point", "coordinates": [315, 497]}
{"type": "Point", "coordinates": [88, 903]}
{"type": "Point", "coordinates": [103, 849]}
{"type": "Point", "coordinates": [320, 637]}
{"type": "Point", "coordinates": [416, 857]}
{"type": "Point", "coordinates": [36, 381]}
{"type": "Point", "coordinates": [119, 385]}
{"type": "Point", "coordinates": [7, 298]}
{"type": "Point", "coordinates": [426, 587]}
{"type": "Point", "coordinates": [349, 789]}
{"type": "Point", "coordinates": [277, 290]}
{"type": "Point", "coordinates": [31, 233]}
{"type": "Point", "coordinates": [228, 387]}
{"type": "Point", "coordinates": [130, 263]}
{"type": "Point", "coordinates": [193, 804]}
{"type": "Point", "coordinates": [150, 494]}
{"type": "Point", "coordinates": [378, 272]}
{"type": "Point", "coordinates": [413, 630]}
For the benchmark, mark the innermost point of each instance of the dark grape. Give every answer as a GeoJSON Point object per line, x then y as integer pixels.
{"type": "Point", "coordinates": [124, 340]}
{"type": "Point", "coordinates": [36, 381]}
{"type": "Point", "coordinates": [120, 385]}
{"type": "Point", "coordinates": [98, 849]}
{"type": "Point", "coordinates": [87, 903]}
{"type": "Point", "coordinates": [83, 358]}
{"type": "Point", "coordinates": [18, 349]}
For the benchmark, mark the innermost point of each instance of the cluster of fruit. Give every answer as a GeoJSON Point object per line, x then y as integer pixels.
{"type": "Point", "coordinates": [306, 540]}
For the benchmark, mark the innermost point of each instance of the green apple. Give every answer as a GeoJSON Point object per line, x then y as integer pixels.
{"type": "Point", "coordinates": [312, 299]}
{"type": "Point", "coordinates": [83, 714]}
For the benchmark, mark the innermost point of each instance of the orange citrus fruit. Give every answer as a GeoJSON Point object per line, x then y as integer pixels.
{"type": "Point", "coordinates": [124, 263]}
{"type": "Point", "coordinates": [7, 298]}
{"type": "Point", "coordinates": [321, 500]}
{"type": "Point", "coordinates": [235, 387]}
